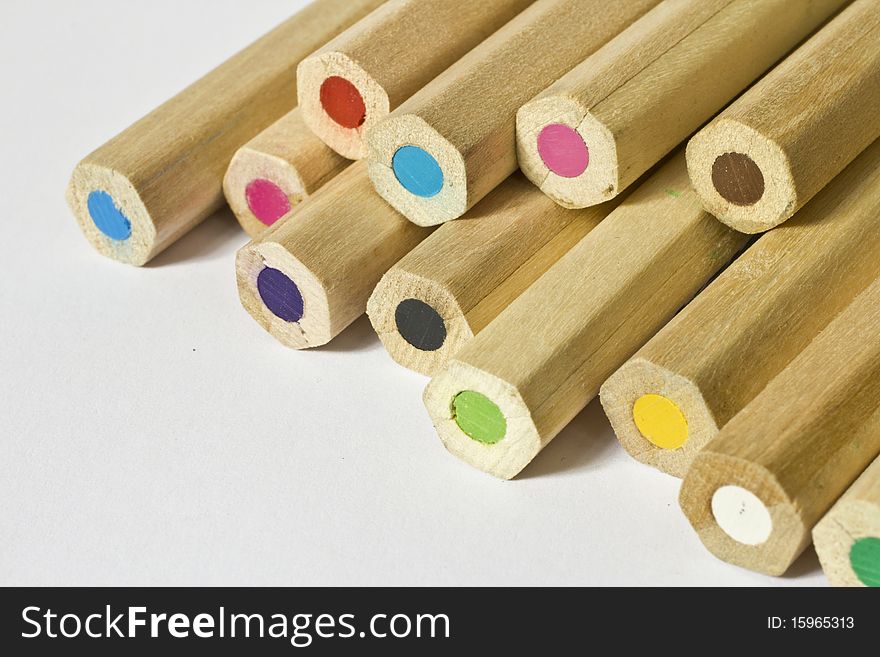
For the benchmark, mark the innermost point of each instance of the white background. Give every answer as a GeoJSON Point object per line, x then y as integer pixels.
{"type": "Point", "coordinates": [151, 433]}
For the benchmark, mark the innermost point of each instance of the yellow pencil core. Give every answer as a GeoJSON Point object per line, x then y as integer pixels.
{"type": "Point", "coordinates": [660, 421]}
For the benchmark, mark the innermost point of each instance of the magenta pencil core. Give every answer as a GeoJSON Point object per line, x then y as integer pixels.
{"type": "Point", "coordinates": [267, 201]}
{"type": "Point", "coordinates": [563, 150]}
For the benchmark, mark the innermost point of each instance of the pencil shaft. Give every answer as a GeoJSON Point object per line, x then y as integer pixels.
{"type": "Point", "coordinates": [163, 175]}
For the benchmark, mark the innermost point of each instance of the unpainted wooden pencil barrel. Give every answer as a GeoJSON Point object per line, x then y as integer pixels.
{"type": "Point", "coordinates": [702, 369]}
{"type": "Point", "coordinates": [275, 171]}
{"type": "Point", "coordinates": [847, 539]}
{"type": "Point", "coordinates": [781, 142]}
{"type": "Point", "coordinates": [516, 385]}
{"type": "Point", "coordinates": [447, 147]}
{"type": "Point", "coordinates": [309, 277]}
{"type": "Point", "coordinates": [757, 489]}
{"type": "Point", "coordinates": [597, 129]}
{"type": "Point", "coordinates": [156, 180]}
{"type": "Point", "coordinates": [353, 82]}
{"type": "Point", "coordinates": [451, 286]}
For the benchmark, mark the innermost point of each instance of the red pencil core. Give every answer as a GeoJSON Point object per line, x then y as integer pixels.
{"type": "Point", "coordinates": [343, 102]}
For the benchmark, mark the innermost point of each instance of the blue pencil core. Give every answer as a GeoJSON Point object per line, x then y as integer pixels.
{"type": "Point", "coordinates": [107, 217]}
{"type": "Point", "coordinates": [417, 171]}
{"type": "Point", "coordinates": [281, 295]}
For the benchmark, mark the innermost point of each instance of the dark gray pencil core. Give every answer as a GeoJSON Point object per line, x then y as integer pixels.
{"type": "Point", "coordinates": [420, 325]}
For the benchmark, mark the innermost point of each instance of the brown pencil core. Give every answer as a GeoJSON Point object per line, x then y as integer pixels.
{"type": "Point", "coordinates": [738, 179]}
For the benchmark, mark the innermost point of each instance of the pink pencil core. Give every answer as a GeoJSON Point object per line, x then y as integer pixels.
{"type": "Point", "coordinates": [563, 150]}
{"type": "Point", "coordinates": [267, 200]}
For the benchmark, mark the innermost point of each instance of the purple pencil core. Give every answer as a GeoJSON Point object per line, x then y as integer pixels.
{"type": "Point", "coordinates": [281, 295]}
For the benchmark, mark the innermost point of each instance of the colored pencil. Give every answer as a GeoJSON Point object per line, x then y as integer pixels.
{"type": "Point", "coordinates": [277, 170]}
{"type": "Point", "coordinates": [451, 286]}
{"type": "Point", "coordinates": [847, 539]}
{"type": "Point", "coordinates": [453, 142]}
{"type": "Point", "coordinates": [310, 276]}
{"type": "Point", "coordinates": [516, 385]}
{"type": "Point", "coordinates": [354, 81]}
{"type": "Point", "coordinates": [757, 489]}
{"type": "Point", "coordinates": [597, 129]}
{"type": "Point", "coordinates": [152, 183]}
{"type": "Point", "coordinates": [771, 151]}
{"type": "Point", "coordinates": [675, 394]}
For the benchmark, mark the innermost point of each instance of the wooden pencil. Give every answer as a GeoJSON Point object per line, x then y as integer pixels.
{"type": "Point", "coordinates": [451, 286]}
{"type": "Point", "coordinates": [597, 129]}
{"type": "Point", "coordinates": [847, 538]}
{"type": "Point", "coordinates": [510, 391]}
{"type": "Point", "coordinates": [454, 141]}
{"type": "Point", "coordinates": [684, 385]}
{"type": "Point", "coordinates": [353, 82]}
{"type": "Point", "coordinates": [758, 488]}
{"type": "Point", "coordinates": [309, 277]}
{"type": "Point", "coordinates": [773, 149]}
{"type": "Point", "coordinates": [152, 183]}
{"type": "Point", "coordinates": [275, 171]}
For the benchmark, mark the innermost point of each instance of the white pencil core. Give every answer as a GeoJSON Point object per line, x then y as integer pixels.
{"type": "Point", "coordinates": [741, 515]}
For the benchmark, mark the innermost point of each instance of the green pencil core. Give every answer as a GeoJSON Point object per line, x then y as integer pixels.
{"type": "Point", "coordinates": [479, 417]}
{"type": "Point", "coordinates": [864, 557]}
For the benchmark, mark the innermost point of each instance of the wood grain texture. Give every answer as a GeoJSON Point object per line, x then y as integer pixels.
{"type": "Point", "coordinates": [652, 86]}
{"type": "Point", "coordinates": [287, 154]}
{"type": "Point", "coordinates": [391, 54]}
{"type": "Point", "coordinates": [800, 125]}
{"type": "Point", "coordinates": [466, 117]}
{"type": "Point", "coordinates": [335, 247]}
{"type": "Point", "coordinates": [469, 270]}
{"type": "Point", "coordinates": [856, 515]}
{"type": "Point", "coordinates": [799, 444]}
{"type": "Point", "coordinates": [545, 356]}
{"type": "Point", "coordinates": [165, 172]}
{"type": "Point", "coordinates": [721, 350]}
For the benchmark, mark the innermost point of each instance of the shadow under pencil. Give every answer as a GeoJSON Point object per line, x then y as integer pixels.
{"type": "Point", "coordinates": [217, 237]}
{"type": "Point", "coordinates": [587, 443]}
